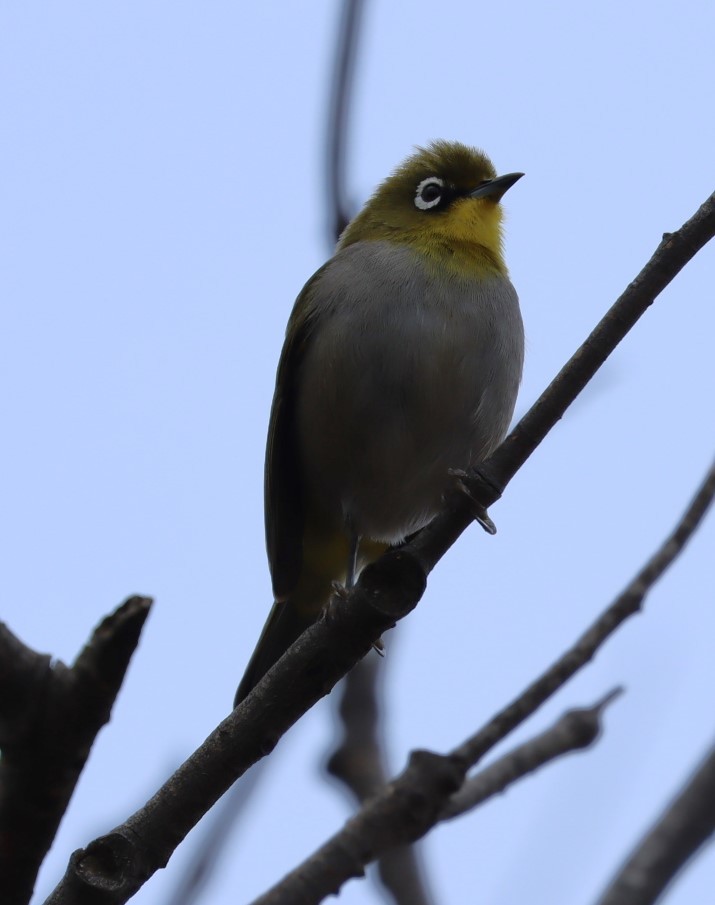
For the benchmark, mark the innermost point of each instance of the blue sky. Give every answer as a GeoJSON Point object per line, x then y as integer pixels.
{"type": "Point", "coordinates": [161, 205]}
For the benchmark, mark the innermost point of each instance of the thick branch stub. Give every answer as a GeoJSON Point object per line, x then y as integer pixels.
{"type": "Point", "coordinates": [24, 678]}
{"type": "Point", "coordinates": [45, 751]}
{"type": "Point", "coordinates": [100, 874]}
{"type": "Point", "coordinates": [394, 583]}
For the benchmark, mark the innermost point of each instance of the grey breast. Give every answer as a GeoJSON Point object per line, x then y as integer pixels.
{"type": "Point", "coordinates": [409, 372]}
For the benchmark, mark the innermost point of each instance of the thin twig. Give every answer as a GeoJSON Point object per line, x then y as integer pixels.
{"type": "Point", "coordinates": [319, 876]}
{"type": "Point", "coordinates": [339, 115]}
{"type": "Point", "coordinates": [576, 730]}
{"type": "Point", "coordinates": [628, 602]}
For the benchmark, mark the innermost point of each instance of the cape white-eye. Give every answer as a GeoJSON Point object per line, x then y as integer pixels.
{"type": "Point", "coordinates": [402, 360]}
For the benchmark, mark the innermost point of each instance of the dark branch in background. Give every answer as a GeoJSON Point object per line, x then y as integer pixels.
{"type": "Point", "coordinates": [210, 847]}
{"type": "Point", "coordinates": [49, 718]}
{"type": "Point", "coordinates": [401, 872]}
{"type": "Point", "coordinates": [420, 796]}
{"type": "Point", "coordinates": [682, 829]}
{"type": "Point", "coordinates": [424, 785]}
{"type": "Point", "coordinates": [341, 95]}
{"type": "Point", "coordinates": [359, 763]}
{"type": "Point", "coordinates": [113, 867]}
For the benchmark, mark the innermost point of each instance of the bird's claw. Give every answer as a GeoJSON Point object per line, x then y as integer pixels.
{"type": "Point", "coordinates": [343, 593]}
{"type": "Point", "coordinates": [340, 590]}
{"type": "Point", "coordinates": [479, 512]}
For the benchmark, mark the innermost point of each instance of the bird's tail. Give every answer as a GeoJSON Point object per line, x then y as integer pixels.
{"type": "Point", "coordinates": [289, 618]}
{"type": "Point", "coordinates": [286, 622]}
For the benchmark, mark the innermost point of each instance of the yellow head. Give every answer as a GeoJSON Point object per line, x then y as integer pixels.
{"type": "Point", "coordinates": [443, 201]}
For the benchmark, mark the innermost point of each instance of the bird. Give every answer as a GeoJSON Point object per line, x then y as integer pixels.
{"type": "Point", "coordinates": [401, 364]}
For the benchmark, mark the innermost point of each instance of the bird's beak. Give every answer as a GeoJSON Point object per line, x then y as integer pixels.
{"type": "Point", "coordinates": [495, 188]}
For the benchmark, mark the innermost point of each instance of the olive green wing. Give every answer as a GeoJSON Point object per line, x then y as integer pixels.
{"type": "Point", "coordinates": [283, 486]}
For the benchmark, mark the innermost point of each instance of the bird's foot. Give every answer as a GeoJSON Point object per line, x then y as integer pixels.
{"type": "Point", "coordinates": [340, 590]}
{"type": "Point", "coordinates": [479, 512]}
{"type": "Point", "coordinates": [343, 593]}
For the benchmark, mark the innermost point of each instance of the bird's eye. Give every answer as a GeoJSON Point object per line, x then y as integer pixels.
{"type": "Point", "coordinates": [429, 193]}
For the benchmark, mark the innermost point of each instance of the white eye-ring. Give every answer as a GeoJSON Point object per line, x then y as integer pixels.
{"type": "Point", "coordinates": [429, 193]}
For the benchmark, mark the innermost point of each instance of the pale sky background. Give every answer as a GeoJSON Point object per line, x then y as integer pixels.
{"type": "Point", "coordinates": [161, 206]}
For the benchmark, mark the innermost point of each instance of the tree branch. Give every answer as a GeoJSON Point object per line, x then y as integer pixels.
{"type": "Point", "coordinates": [417, 799]}
{"type": "Point", "coordinates": [50, 716]}
{"type": "Point", "coordinates": [577, 729]}
{"type": "Point", "coordinates": [209, 849]}
{"type": "Point", "coordinates": [113, 867]}
{"type": "Point", "coordinates": [628, 602]}
{"type": "Point", "coordinates": [359, 763]}
{"type": "Point", "coordinates": [337, 126]}
{"type": "Point", "coordinates": [345, 855]}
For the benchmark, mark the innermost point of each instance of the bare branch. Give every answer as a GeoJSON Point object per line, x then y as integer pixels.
{"type": "Point", "coordinates": [359, 763]}
{"type": "Point", "coordinates": [23, 676]}
{"type": "Point", "coordinates": [577, 729]}
{"type": "Point", "coordinates": [628, 602]}
{"type": "Point", "coordinates": [213, 843]}
{"type": "Point", "coordinates": [211, 846]}
{"type": "Point", "coordinates": [416, 800]}
{"type": "Point", "coordinates": [345, 854]}
{"type": "Point", "coordinates": [50, 718]}
{"type": "Point", "coordinates": [358, 760]}
{"type": "Point", "coordinates": [113, 867]}
{"type": "Point", "coordinates": [337, 129]}
{"type": "Point", "coordinates": [687, 823]}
